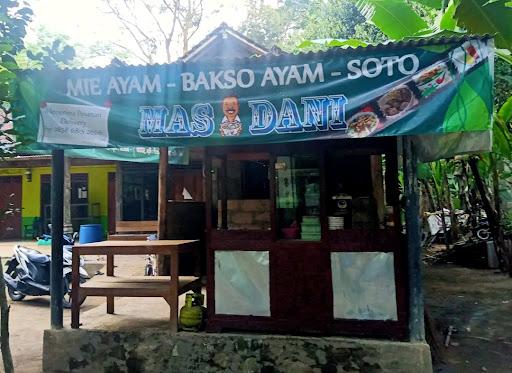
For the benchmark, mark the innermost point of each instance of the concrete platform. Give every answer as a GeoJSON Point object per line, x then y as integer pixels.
{"type": "Point", "coordinates": [156, 350]}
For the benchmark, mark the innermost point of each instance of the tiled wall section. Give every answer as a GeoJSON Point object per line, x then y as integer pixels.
{"type": "Point", "coordinates": [251, 214]}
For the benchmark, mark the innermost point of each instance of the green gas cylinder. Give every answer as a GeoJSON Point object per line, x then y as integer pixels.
{"type": "Point", "coordinates": [191, 314]}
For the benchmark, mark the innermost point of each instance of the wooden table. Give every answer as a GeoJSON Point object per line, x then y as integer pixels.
{"type": "Point", "coordinates": [168, 287]}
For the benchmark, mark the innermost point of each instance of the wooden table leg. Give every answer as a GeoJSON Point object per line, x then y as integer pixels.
{"type": "Point", "coordinates": [110, 272]}
{"type": "Point", "coordinates": [75, 289]}
{"type": "Point", "coordinates": [173, 301]}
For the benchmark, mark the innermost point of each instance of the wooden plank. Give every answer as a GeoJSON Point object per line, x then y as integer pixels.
{"type": "Point", "coordinates": [139, 286]}
{"type": "Point", "coordinates": [155, 243]}
{"type": "Point", "coordinates": [128, 237]}
{"type": "Point", "coordinates": [123, 226]}
{"type": "Point", "coordinates": [137, 280]}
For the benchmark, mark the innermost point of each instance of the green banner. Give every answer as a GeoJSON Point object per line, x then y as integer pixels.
{"type": "Point", "coordinates": [412, 88]}
{"type": "Point", "coordinates": [177, 155]}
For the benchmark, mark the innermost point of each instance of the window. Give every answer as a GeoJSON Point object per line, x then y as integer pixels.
{"type": "Point", "coordinates": [140, 193]}
{"type": "Point", "coordinates": [241, 192]}
{"type": "Point", "coordinates": [298, 196]}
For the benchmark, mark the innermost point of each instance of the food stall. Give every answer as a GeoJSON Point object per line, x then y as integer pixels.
{"type": "Point", "coordinates": [302, 160]}
{"type": "Point", "coordinates": [313, 245]}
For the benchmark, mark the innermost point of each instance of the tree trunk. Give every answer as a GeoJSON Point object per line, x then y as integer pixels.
{"type": "Point", "coordinates": [455, 226]}
{"type": "Point", "coordinates": [430, 198]}
{"type": "Point", "coordinates": [497, 206]}
{"type": "Point", "coordinates": [443, 220]}
{"type": "Point", "coordinates": [4, 325]}
{"type": "Point", "coordinates": [492, 216]}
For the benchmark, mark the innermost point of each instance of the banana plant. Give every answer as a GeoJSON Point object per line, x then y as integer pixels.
{"type": "Point", "coordinates": [398, 19]}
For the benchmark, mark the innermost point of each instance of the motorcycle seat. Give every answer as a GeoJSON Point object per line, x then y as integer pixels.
{"type": "Point", "coordinates": [37, 258]}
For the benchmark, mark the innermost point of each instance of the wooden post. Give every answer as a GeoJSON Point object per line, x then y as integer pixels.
{"type": "Point", "coordinates": [378, 187]}
{"type": "Point", "coordinates": [174, 283]}
{"type": "Point", "coordinates": [68, 226]}
{"type": "Point", "coordinates": [75, 294]}
{"type": "Point", "coordinates": [416, 311]}
{"type": "Point", "coordinates": [57, 200]}
{"type": "Point", "coordinates": [119, 191]}
{"type": "Point", "coordinates": [162, 192]}
{"type": "Point", "coordinates": [163, 165]}
{"type": "Point", "coordinates": [110, 272]}
{"type": "Point", "coordinates": [223, 192]}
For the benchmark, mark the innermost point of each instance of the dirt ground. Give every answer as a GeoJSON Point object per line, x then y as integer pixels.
{"type": "Point", "coordinates": [30, 317]}
{"type": "Point", "coordinates": [477, 303]}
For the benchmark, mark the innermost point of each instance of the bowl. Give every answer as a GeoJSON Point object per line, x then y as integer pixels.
{"type": "Point", "coordinates": [291, 232]}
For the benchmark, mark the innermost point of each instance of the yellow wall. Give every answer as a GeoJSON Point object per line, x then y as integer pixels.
{"type": "Point", "coordinates": [31, 190]}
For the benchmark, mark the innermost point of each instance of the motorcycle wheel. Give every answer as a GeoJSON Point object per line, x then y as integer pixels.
{"type": "Point", "coordinates": [148, 271]}
{"type": "Point", "coordinates": [484, 234]}
{"type": "Point", "coordinates": [66, 299]}
{"type": "Point", "coordinates": [15, 295]}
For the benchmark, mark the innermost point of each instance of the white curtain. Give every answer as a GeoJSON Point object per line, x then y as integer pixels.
{"type": "Point", "coordinates": [363, 285]}
{"type": "Point", "coordinates": [242, 283]}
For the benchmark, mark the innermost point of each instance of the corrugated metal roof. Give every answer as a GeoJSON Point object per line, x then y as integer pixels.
{"type": "Point", "coordinates": [219, 32]}
{"type": "Point", "coordinates": [275, 57]}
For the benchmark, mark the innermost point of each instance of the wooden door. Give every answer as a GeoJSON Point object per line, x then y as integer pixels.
{"type": "Point", "coordinates": [10, 193]}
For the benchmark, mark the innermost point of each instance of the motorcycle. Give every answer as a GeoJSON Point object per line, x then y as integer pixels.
{"type": "Point", "coordinates": [28, 273]}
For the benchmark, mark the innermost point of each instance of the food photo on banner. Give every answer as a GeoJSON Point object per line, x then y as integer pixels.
{"type": "Point", "coordinates": [407, 88]}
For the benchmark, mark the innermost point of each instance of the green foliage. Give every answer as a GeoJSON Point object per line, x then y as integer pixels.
{"type": "Point", "coordinates": [42, 45]}
{"type": "Point", "coordinates": [271, 26]}
{"type": "Point", "coordinates": [319, 22]}
{"type": "Point", "coordinates": [14, 18]}
{"type": "Point", "coordinates": [507, 222]}
{"type": "Point", "coordinates": [395, 18]}
{"type": "Point", "coordinates": [333, 19]}
{"type": "Point", "coordinates": [487, 17]}
{"type": "Point", "coordinates": [436, 4]}
{"type": "Point", "coordinates": [505, 112]}
{"type": "Point", "coordinates": [446, 20]}
{"type": "Point", "coordinates": [328, 43]}
{"type": "Point", "coordinates": [502, 82]}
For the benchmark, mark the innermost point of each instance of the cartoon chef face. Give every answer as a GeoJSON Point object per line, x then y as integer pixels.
{"type": "Point", "coordinates": [230, 107]}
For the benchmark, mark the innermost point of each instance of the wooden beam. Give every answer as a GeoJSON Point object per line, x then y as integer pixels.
{"type": "Point", "coordinates": [162, 192]}
{"type": "Point", "coordinates": [378, 187]}
{"type": "Point", "coordinates": [416, 311]}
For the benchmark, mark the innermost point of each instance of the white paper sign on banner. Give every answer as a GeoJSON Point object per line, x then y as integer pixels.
{"type": "Point", "coordinates": [73, 124]}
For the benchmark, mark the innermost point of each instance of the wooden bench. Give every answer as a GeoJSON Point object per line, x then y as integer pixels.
{"type": "Point", "coordinates": [134, 230]}
{"type": "Point", "coordinates": [167, 287]}
{"type": "Point", "coordinates": [137, 286]}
